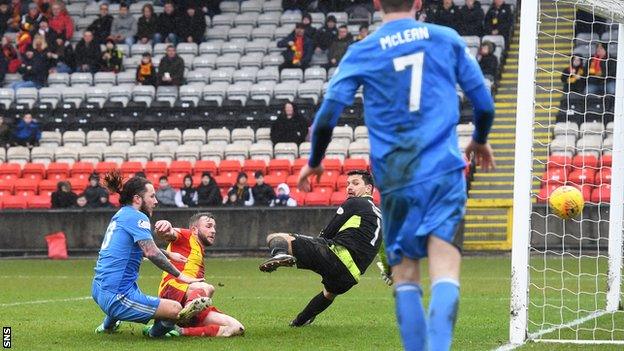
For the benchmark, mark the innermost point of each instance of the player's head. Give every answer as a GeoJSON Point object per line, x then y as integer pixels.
{"type": "Point", "coordinates": [204, 226]}
{"type": "Point", "coordinates": [390, 6]}
{"type": "Point", "coordinates": [360, 183]}
{"type": "Point", "coordinates": [137, 192]}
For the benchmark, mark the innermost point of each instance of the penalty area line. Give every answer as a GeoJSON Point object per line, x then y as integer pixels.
{"type": "Point", "coordinates": [35, 302]}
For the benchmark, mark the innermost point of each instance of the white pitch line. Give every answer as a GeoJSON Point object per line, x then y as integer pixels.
{"type": "Point", "coordinates": [44, 301]}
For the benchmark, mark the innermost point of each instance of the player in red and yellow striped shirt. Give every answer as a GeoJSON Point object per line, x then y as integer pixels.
{"type": "Point", "coordinates": [190, 244]}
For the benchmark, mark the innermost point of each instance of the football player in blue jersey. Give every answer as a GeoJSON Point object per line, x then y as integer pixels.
{"type": "Point", "coordinates": [128, 238]}
{"type": "Point", "coordinates": [409, 71]}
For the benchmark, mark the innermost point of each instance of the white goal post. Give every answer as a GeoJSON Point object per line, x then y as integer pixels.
{"type": "Point", "coordinates": [566, 275]}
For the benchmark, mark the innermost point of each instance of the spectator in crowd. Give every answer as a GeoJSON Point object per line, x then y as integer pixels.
{"type": "Point", "coordinates": [310, 31]}
{"type": "Point", "coordinates": [147, 27]}
{"type": "Point", "coordinates": [95, 191]}
{"type": "Point", "coordinates": [105, 203]}
{"type": "Point", "coordinates": [601, 72]}
{"type": "Point", "coordinates": [165, 194]}
{"type": "Point", "coordinates": [48, 35]}
{"type": "Point", "coordinates": [191, 26]}
{"type": "Point", "coordinates": [4, 67]}
{"type": "Point", "coordinates": [299, 49]}
{"type": "Point", "coordinates": [101, 26]}
{"type": "Point", "coordinates": [499, 20]}
{"type": "Point", "coordinates": [5, 133]}
{"type": "Point", "coordinates": [5, 17]}
{"type": "Point", "coordinates": [24, 39]}
{"type": "Point", "coordinates": [62, 58]}
{"type": "Point", "coordinates": [81, 201]}
{"type": "Point", "coordinates": [326, 34]}
{"type": "Point", "coordinates": [124, 26]}
{"type": "Point", "coordinates": [146, 72]}
{"type": "Point", "coordinates": [10, 55]}
{"type": "Point", "coordinates": [574, 77]}
{"type": "Point", "coordinates": [18, 8]}
{"type": "Point", "coordinates": [208, 193]}
{"type": "Point", "coordinates": [187, 195]}
{"type": "Point", "coordinates": [290, 127]}
{"type": "Point", "coordinates": [447, 15]}
{"type": "Point", "coordinates": [63, 197]}
{"type": "Point", "coordinates": [88, 54]}
{"type": "Point", "coordinates": [171, 68]}
{"type": "Point", "coordinates": [338, 47]}
{"type": "Point", "coordinates": [471, 19]}
{"type": "Point", "coordinates": [242, 191]}
{"type": "Point", "coordinates": [112, 58]}
{"type": "Point", "coordinates": [33, 17]}
{"type": "Point", "coordinates": [27, 132]}
{"type": "Point", "coordinates": [263, 193]}
{"type": "Point", "coordinates": [60, 21]}
{"type": "Point", "coordinates": [487, 61]}
{"type": "Point", "coordinates": [167, 24]}
{"type": "Point", "coordinates": [34, 68]}
{"type": "Point", "coordinates": [232, 201]}
{"type": "Point", "coordinates": [283, 198]}
{"type": "Point", "coordinates": [295, 5]}
{"type": "Point", "coordinates": [362, 32]}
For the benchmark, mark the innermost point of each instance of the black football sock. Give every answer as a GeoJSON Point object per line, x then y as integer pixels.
{"type": "Point", "coordinates": [278, 245]}
{"type": "Point", "coordinates": [318, 304]}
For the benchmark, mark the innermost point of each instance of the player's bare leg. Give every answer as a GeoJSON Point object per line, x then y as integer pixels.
{"type": "Point", "coordinates": [207, 289]}
{"type": "Point", "coordinates": [280, 245]}
{"type": "Point", "coordinates": [408, 300]}
{"type": "Point", "coordinates": [318, 304]}
{"type": "Point", "coordinates": [444, 269]}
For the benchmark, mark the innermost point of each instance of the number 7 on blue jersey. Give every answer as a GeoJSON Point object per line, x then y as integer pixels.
{"type": "Point", "coordinates": [416, 61]}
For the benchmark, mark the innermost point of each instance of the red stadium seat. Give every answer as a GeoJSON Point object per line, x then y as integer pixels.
{"type": "Point", "coordinates": [251, 166]}
{"type": "Point", "coordinates": [328, 180]}
{"type": "Point", "coordinates": [154, 179]}
{"type": "Point", "coordinates": [585, 160]}
{"type": "Point", "coordinates": [10, 170]}
{"type": "Point", "coordinates": [181, 167]}
{"type": "Point", "coordinates": [225, 181]}
{"type": "Point", "coordinates": [202, 166]}
{"type": "Point", "coordinates": [129, 168]}
{"type": "Point", "coordinates": [114, 199]}
{"type": "Point", "coordinates": [82, 170]}
{"type": "Point", "coordinates": [223, 192]}
{"type": "Point", "coordinates": [14, 202]}
{"type": "Point", "coordinates": [34, 171]}
{"type": "Point", "coordinates": [603, 176]}
{"type": "Point", "coordinates": [47, 187]}
{"type": "Point", "coordinates": [39, 201]}
{"type": "Point", "coordinates": [338, 197]}
{"type": "Point", "coordinates": [582, 176]}
{"type": "Point", "coordinates": [601, 194]}
{"type": "Point", "coordinates": [6, 187]}
{"type": "Point", "coordinates": [546, 190]}
{"type": "Point", "coordinates": [298, 165]}
{"type": "Point", "coordinates": [275, 179]}
{"type": "Point", "coordinates": [555, 176]}
{"type": "Point", "coordinates": [332, 164]}
{"type": "Point", "coordinates": [156, 167]}
{"type": "Point", "coordinates": [25, 187]}
{"type": "Point", "coordinates": [279, 167]}
{"type": "Point", "coordinates": [606, 160]}
{"type": "Point", "coordinates": [586, 190]}
{"type": "Point", "coordinates": [292, 180]}
{"type": "Point", "coordinates": [251, 181]}
{"type": "Point", "coordinates": [229, 167]}
{"type": "Point", "coordinates": [341, 181]}
{"type": "Point", "coordinates": [58, 171]}
{"type": "Point", "coordinates": [78, 184]}
{"type": "Point", "coordinates": [298, 195]}
{"type": "Point", "coordinates": [559, 162]}
{"type": "Point", "coordinates": [317, 199]}
{"type": "Point", "coordinates": [352, 164]}
{"type": "Point", "coordinates": [104, 167]}
{"type": "Point", "coordinates": [176, 180]}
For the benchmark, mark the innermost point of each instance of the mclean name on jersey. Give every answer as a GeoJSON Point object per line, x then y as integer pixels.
{"type": "Point", "coordinates": [403, 37]}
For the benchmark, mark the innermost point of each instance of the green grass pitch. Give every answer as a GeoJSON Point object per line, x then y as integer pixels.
{"type": "Point", "coordinates": [48, 306]}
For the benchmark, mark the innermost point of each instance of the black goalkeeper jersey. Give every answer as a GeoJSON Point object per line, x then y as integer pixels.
{"type": "Point", "coordinates": [357, 227]}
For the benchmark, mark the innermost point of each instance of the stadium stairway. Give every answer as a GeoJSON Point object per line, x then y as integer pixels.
{"type": "Point", "coordinates": [488, 218]}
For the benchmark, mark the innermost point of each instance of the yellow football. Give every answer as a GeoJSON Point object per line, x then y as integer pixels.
{"type": "Point", "coordinates": [566, 202]}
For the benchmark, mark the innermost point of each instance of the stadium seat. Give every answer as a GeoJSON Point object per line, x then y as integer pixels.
{"type": "Point", "coordinates": [25, 187]}
{"type": "Point", "coordinates": [35, 171]}
{"type": "Point", "coordinates": [243, 135]}
{"type": "Point", "coordinates": [328, 180]}
{"type": "Point", "coordinates": [56, 171]}
{"type": "Point", "coordinates": [341, 181]}
{"type": "Point", "coordinates": [14, 202]}
{"type": "Point", "coordinates": [162, 153]}
{"type": "Point", "coordinates": [352, 164]}
{"type": "Point", "coordinates": [606, 160]}
{"type": "Point", "coordinates": [202, 166]}
{"type": "Point", "coordinates": [279, 167]}
{"type": "Point", "coordinates": [251, 166]}
{"type": "Point", "coordinates": [104, 167]}
{"type": "Point", "coordinates": [82, 170]}
{"type": "Point", "coordinates": [66, 154]}
{"type": "Point", "coordinates": [6, 187]}
{"type": "Point", "coordinates": [167, 94]}
{"type": "Point", "coordinates": [360, 132]}
{"type": "Point", "coordinates": [146, 138]}
{"type": "Point", "coordinates": [275, 179]}
{"type": "Point", "coordinates": [46, 187]}
{"type": "Point", "coordinates": [292, 180]}
{"type": "Point", "coordinates": [74, 138]}
{"type": "Point", "coordinates": [144, 94]}
{"type": "Point", "coordinates": [297, 195]}
{"type": "Point", "coordinates": [298, 164]}
{"type": "Point", "coordinates": [317, 199]}
{"type": "Point", "coordinates": [105, 79]}
{"type": "Point", "coordinates": [78, 184]}
{"type": "Point", "coordinates": [261, 151]}
{"type": "Point", "coordinates": [585, 160]}
{"type": "Point", "coordinates": [139, 153]}
{"type": "Point", "coordinates": [180, 167]}
{"type": "Point", "coordinates": [115, 154]}
{"type": "Point", "coordinates": [359, 149]}
{"type": "Point", "coordinates": [10, 170]}
{"type": "Point", "coordinates": [559, 162]}
{"type": "Point", "coordinates": [49, 95]}
{"type": "Point", "coordinates": [601, 194]}
{"type": "Point", "coordinates": [603, 176]}
{"type": "Point", "coordinates": [99, 138]}
{"type": "Point", "coordinates": [236, 152]}
{"type": "Point", "coordinates": [38, 154]}
{"type": "Point", "coordinates": [18, 154]}
{"type": "Point", "coordinates": [225, 180]}
{"type": "Point", "coordinates": [92, 154]}
{"type": "Point", "coordinates": [332, 164]}
{"type": "Point", "coordinates": [286, 151]}
{"type": "Point", "coordinates": [582, 176]}
{"type": "Point", "coordinates": [73, 96]}
{"type": "Point", "coordinates": [155, 167]}
{"type": "Point", "coordinates": [212, 152]}
{"type": "Point", "coordinates": [229, 166]}
{"type": "Point", "coordinates": [50, 139]}
{"type": "Point", "coordinates": [555, 175]}
{"type": "Point", "coordinates": [338, 198]}
{"type": "Point", "coordinates": [337, 150]}
{"type": "Point", "coordinates": [129, 168]}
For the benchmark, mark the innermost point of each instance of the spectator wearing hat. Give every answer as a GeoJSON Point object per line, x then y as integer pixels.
{"type": "Point", "coordinates": [124, 26]}
{"type": "Point", "coordinates": [208, 193]}
{"type": "Point", "coordinates": [187, 195]}
{"type": "Point", "coordinates": [146, 72]}
{"type": "Point", "coordinates": [240, 192]}
{"type": "Point", "coordinates": [95, 191]}
{"type": "Point", "coordinates": [165, 194]}
{"type": "Point", "coordinates": [88, 54]}
{"type": "Point", "coordinates": [167, 24]}
{"type": "Point", "coordinates": [310, 31]}
{"type": "Point", "coordinates": [283, 198]}
{"type": "Point", "coordinates": [63, 197]}
{"type": "Point", "coordinates": [191, 26]}
{"type": "Point", "coordinates": [299, 49]}
{"type": "Point", "coordinates": [60, 21]}
{"type": "Point", "coordinates": [33, 17]}
{"type": "Point", "coordinates": [263, 193]}
{"type": "Point", "coordinates": [338, 47]}
{"type": "Point", "coordinates": [147, 27]}
{"type": "Point", "coordinates": [112, 58]}
{"type": "Point", "coordinates": [101, 26]}
{"type": "Point", "coordinates": [471, 19]}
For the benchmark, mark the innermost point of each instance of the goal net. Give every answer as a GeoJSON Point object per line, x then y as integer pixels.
{"type": "Point", "coordinates": [566, 274]}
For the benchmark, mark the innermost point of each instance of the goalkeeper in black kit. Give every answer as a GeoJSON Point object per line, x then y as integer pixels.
{"type": "Point", "coordinates": [340, 254]}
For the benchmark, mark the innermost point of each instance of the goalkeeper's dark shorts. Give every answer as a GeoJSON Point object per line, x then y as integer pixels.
{"type": "Point", "coordinates": [314, 254]}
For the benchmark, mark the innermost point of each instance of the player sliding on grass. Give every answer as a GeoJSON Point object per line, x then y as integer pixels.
{"type": "Point", "coordinates": [409, 71]}
{"type": "Point", "coordinates": [127, 239]}
{"type": "Point", "coordinates": [340, 254]}
{"type": "Point", "coordinates": [190, 244]}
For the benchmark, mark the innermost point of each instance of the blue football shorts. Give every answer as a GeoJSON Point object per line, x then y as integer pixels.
{"type": "Point", "coordinates": [435, 207]}
{"type": "Point", "coordinates": [132, 306]}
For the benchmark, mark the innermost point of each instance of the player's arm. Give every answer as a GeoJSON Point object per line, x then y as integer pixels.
{"type": "Point", "coordinates": [158, 258]}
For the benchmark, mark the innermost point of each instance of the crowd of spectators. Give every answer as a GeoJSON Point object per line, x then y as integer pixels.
{"type": "Point", "coordinates": [595, 75]}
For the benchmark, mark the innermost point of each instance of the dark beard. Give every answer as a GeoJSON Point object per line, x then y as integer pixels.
{"type": "Point", "coordinates": [203, 240]}
{"type": "Point", "coordinates": [145, 210]}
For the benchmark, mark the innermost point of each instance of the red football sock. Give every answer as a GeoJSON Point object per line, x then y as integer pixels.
{"type": "Point", "coordinates": [195, 294]}
{"type": "Point", "coordinates": [207, 330]}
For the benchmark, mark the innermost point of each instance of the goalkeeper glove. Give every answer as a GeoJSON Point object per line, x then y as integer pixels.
{"type": "Point", "coordinates": [386, 276]}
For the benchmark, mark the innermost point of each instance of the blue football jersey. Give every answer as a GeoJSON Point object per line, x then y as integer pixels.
{"type": "Point", "coordinates": [409, 71]}
{"type": "Point", "coordinates": [117, 267]}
